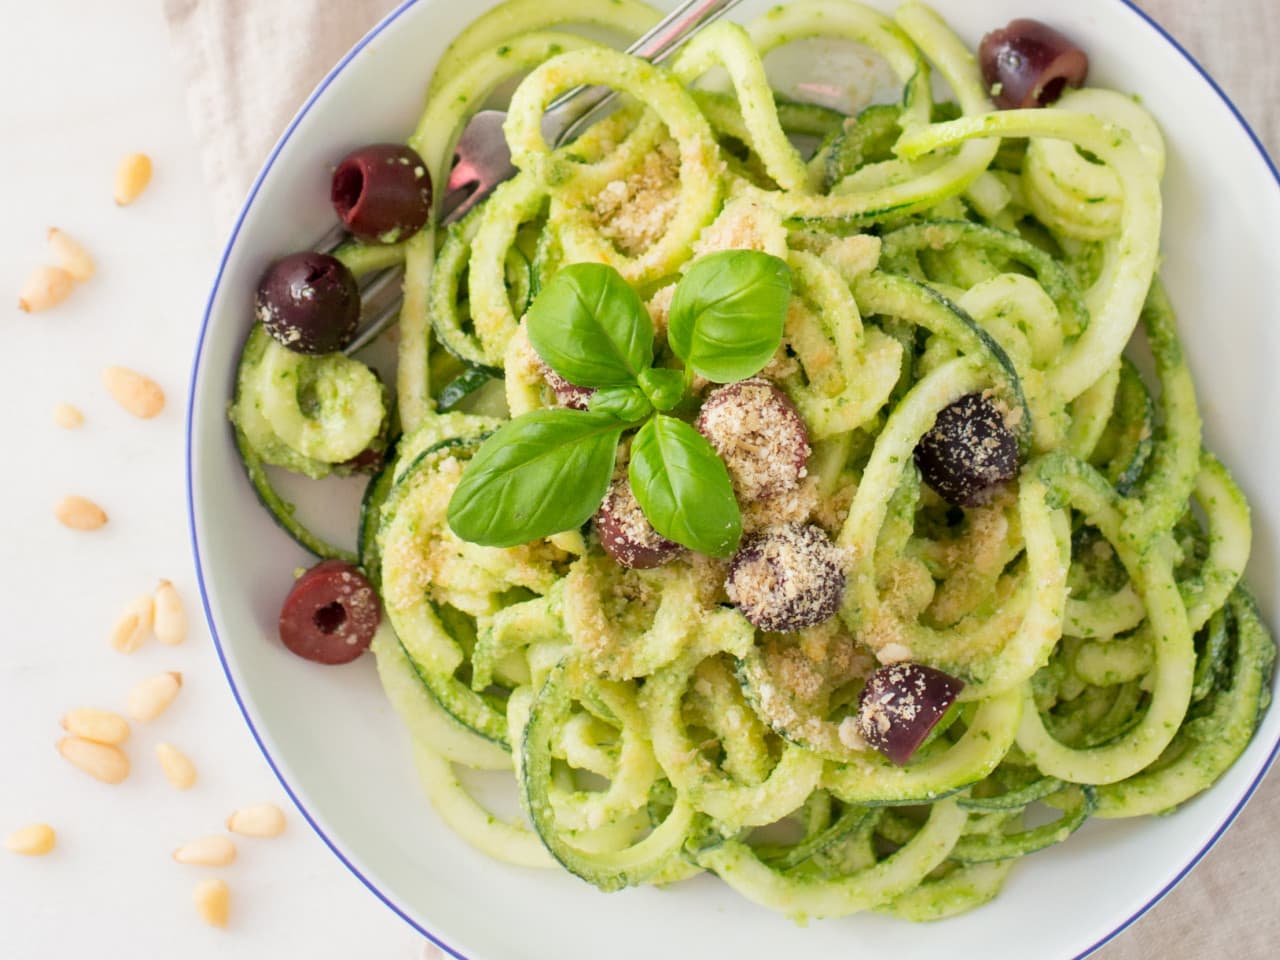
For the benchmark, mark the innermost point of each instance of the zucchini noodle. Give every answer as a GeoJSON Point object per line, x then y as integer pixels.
{"type": "Point", "coordinates": [1113, 663]}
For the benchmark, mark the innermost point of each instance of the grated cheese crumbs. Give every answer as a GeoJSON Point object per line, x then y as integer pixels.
{"type": "Point", "coordinates": [633, 213]}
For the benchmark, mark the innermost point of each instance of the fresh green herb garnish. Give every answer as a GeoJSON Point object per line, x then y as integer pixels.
{"type": "Point", "coordinates": [590, 327]}
{"type": "Point", "coordinates": [548, 471]}
{"type": "Point", "coordinates": [727, 314]}
{"type": "Point", "coordinates": [683, 487]}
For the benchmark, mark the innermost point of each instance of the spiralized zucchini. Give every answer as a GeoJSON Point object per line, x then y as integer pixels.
{"type": "Point", "coordinates": [1113, 663]}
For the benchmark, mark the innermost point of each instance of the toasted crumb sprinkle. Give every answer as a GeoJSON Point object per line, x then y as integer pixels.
{"type": "Point", "coordinates": [744, 224]}
{"type": "Point", "coordinates": [634, 212]}
{"type": "Point", "coordinates": [796, 505]}
{"type": "Point", "coordinates": [659, 307]}
{"type": "Point", "coordinates": [787, 577]}
{"type": "Point", "coordinates": [759, 436]}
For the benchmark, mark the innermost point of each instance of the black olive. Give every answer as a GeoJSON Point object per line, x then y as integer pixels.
{"type": "Point", "coordinates": [760, 436]}
{"type": "Point", "coordinates": [309, 302]}
{"type": "Point", "coordinates": [901, 704]}
{"type": "Point", "coordinates": [969, 452]}
{"type": "Point", "coordinates": [382, 192]}
{"type": "Point", "coordinates": [626, 534]}
{"type": "Point", "coordinates": [787, 577]}
{"type": "Point", "coordinates": [1027, 64]}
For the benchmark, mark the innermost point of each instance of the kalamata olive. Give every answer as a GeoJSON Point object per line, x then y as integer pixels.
{"type": "Point", "coordinates": [627, 535]}
{"type": "Point", "coordinates": [759, 435]}
{"type": "Point", "coordinates": [331, 614]}
{"type": "Point", "coordinates": [901, 703]}
{"type": "Point", "coordinates": [568, 394]}
{"type": "Point", "coordinates": [969, 452]}
{"type": "Point", "coordinates": [368, 460]}
{"type": "Point", "coordinates": [309, 302]}
{"type": "Point", "coordinates": [1027, 64]}
{"type": "Point", "coordinates": [787, 577]}
{"type": "Point", "coordinates": [382, 192]}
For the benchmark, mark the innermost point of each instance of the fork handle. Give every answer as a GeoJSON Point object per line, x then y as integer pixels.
{"type": "Point", "coordinates": [669, 34]}
{"type": "Point", "coordinates": [571, 113]}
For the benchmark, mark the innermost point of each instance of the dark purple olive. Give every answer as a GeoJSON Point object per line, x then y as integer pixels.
{"type": "Point", "coordinates": [1027, 64]}
{"type": "Point", "coordinates": [901, 703]}
{"type": "Point", "coordinates": [627, 535]}
{"type": "Point", "coordinates": [568, 394]}
{"type": "Point", "coordinates": [382, 192]}
{"type": "Point", "coordinates": [368, 460]}
{"type": "Point", "coordinates": [309, 302]}
{"type": "Point", "coordinates": [969, 453]}
{"type": "Point", "coordinates": [787, 577]}
{"type": "Point", "coordinates": [331, 614]}
{"type": "Point", "coordinates": [759, 435]}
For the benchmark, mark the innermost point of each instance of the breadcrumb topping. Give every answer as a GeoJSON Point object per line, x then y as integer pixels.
{"type": "Point", "coordinates": [633, 213]}
{"type": "Point", "coordinates": [759, 435]}
{"type": "Point", "coordinates": [787, 577]}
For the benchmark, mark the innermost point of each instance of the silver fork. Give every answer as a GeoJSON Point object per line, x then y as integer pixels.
{"type": "Point", "coordinates": [482, 160]}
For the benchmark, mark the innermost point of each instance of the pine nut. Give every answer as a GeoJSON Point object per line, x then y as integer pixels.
{"type": "Point", "coordinates": [213, 901]}
{"type": "Point", "coordinates": [170, 617]}
{"type": "Point", "coordinates": [132, 177]}
{"type": "Point", "coordinates": [67, 416]}
{"type": "Point", "coordinates": [79, 513]}
{"type": "Point", "coordinates": [33, 841]}
{"type": "Point", "coordinates": [73, 257]}
{"type": "Point", "coordinates": [100, 726]}
{"type": "Point", "coordinates": [100, 760]}
{"type": "Point", "coordinates": [211, 851]}
{"type": "Point", "coordinates": [137, 394]}
{"type": "Point", "coordinates": [46, 287]}
{"type": "Point", "coordinates": [177, 766]}
{"type": "Point", "coordinates": [131, 630]}
{"type": "Point", "coordinates": [151, 697]}
{"type": "Point", "coordinates": [260, 820]}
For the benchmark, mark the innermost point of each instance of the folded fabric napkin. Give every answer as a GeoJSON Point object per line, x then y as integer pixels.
{"type": "Point", "coordinates": [250, 65]}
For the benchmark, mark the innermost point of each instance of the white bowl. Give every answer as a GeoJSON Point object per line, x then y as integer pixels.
{"type": "Point", "coordinates": [342, 754]}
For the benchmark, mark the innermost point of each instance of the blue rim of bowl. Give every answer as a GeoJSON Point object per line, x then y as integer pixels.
{"type": "Point", "coordinates": [195, 543]}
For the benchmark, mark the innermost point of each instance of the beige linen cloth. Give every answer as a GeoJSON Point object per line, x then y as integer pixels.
{"type": "Point", "coordinates": [251, 63]}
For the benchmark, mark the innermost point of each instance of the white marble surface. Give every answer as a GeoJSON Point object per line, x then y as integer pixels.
{"type": "Point", "coordinates": [87, 83]}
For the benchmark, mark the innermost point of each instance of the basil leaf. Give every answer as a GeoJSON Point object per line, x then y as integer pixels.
{"type": "Point", "coordinates": [628, 404]}
{"type": "Point", "coordinates": [664, 387]}
{"type": "Point", "coordinates": [727, 314]}
{"type": "Point", "coordinates": [683, 487]}
{"type": "Point", "coordinates": [589, 326]}
{"type": "Point", "coordinates": [542, 473]}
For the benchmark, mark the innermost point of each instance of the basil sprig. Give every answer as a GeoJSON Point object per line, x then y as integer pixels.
{"type": "Point", "coordinates": [727, 314]}
{"type": "Point", "coordinates": [683, 487]}
{"type": "Point", "coordinates": [590, 327]}
{"type": "Point", "coordinates": [542, 473]}
{"type": "Point", "coordinates": [548, 471]}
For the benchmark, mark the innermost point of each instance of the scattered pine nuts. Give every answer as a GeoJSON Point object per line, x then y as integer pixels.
{"type": "Point", "coordinates": [79, 513]}
{"type": "Point", "coordinates": [132, 177]}
{"type": "Point", "coordinates": [100, 760]}
{"type": "Point", "coordinates": [260, 820]}
{"type": "Point", "coordinates": [177, 766]}
{"type": "Point", "coordinates": [211, 851]}
{"type": "Point", "coordinates": [152, 696]}
{"type": "Point", "coordinates": [170, 617]}
{"type": "Point", "coordinates": [100, 726]}
{"type": "Point", "coordinates": [73, 258]}
{"type": "Point", "coordinates": [33, 841]}
{"type": "Point", "coordinates": [213, 901]}
{"type": "Point", "coordinates": [137, 394]}
{"type": "Point", "coordinates": [46, 287]}
{"type": "Point", "coordinates": [134, 625]}
{"type": "Point", "coordinates": [67, 416]}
